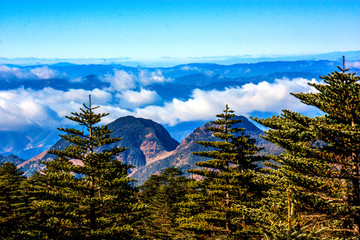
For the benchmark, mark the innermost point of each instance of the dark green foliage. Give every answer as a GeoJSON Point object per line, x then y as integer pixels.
{"type": "Point", "coordinates": [222, 203]}
{"type": "Point", "coordinates": [311, 191]}
{"type": "Point", "coordinates": [162, 193]}
{"type": "Point", "coordinates": [280, 219]}
{"type": "Point", "coordinates": [85, 192]}
{"type": "Point", "coordinates": [14, 207]}
{"type": "Point", "coordinates": [321, 163]}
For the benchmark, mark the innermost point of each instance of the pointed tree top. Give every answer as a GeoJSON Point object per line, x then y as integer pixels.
{"type": "Point", "coordinates": [90, 101]}
{"type": "Point", "coordinates": [343, 69]}
{"type": "Point", "coordinates": [90, 105]}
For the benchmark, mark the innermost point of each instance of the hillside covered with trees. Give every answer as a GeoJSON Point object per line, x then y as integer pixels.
{"type": "Point", "coordinates": [310, 191]}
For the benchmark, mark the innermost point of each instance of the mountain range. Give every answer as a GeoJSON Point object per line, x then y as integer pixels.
{"type": "Point", "coordinates": [160, 86]}
{"type": "Point", "coordinates": [169, 62]}
{"type": "Point", "coordinates": [12, 159]}
{"type": "Point", "coordinates": [151, 148]}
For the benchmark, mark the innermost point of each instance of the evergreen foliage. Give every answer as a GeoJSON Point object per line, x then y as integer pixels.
{"type": "Point", "coordinates": [222, 203]}
{"type": "Point", "coordinates": [321, 163]}
{"type": "Point", "coordinates": [85, 193]}
{"type": "Point", "coordinates": [162, 193]}
{"type": "Point", "coordinates": [279, 222]}
{"type": "Point", "coordinates": [311, 191]}
{"type": "Point", "coordinates": [14, 207]}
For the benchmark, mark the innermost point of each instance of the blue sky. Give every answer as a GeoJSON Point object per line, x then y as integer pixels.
{"type": "Point", "coordinates": [173, 28]}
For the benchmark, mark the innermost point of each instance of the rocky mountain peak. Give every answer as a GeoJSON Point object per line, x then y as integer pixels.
{"type": "Point", "coordinates": [145, 139]}
{"type": "Point", "coordinates": [151, 148]}
{"type": "Point", "coordinates": [183, 158]}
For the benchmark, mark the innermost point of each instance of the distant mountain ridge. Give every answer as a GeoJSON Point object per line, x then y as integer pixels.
{"type": "Point", "coordinates": [183, 158]}
{"type": "Point", "coordinates": [144, 138]}
{"type": "Point", "coordinates": [151, 148]}
{"type": "Point", "coordinates": [166, 62]}
{"type": "Point", "coordinates": [11, 158]}
{"type": "Point", "coordinates": [28, 142]}
{"type": "Point", "coordinates": [177, 82]}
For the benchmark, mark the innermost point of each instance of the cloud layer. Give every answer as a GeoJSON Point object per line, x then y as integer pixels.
{"type": "Point", "coordinates": [44, 72]}
{"type": "Point", "coordinates": [204, 105]}
{"type": "Point", "coordinates": [135, 99]}
{"type": "Point", "coordinates": [21, 107]}
{"type": "Point", "coordinates": [47, 107]}
{"type": "Point", "coordinates": [121, 80]}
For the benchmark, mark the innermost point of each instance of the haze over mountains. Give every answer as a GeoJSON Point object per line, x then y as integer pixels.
{"type": "Point", "coordinates": [34, 99]}
{"type": "Point", "coordinates": [151, 148]}
{"type": "Point", "coordinates": [170, 62]}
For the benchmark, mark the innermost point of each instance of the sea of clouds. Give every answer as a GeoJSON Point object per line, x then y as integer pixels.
{"type": "Point", "coordinates": [130, 94]}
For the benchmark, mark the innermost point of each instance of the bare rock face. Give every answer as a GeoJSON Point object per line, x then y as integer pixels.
{"type": "Point", "coordinates": [183, 158]}
{"type": "Point", "coordinates": [146, 141]}
{"type": "Point", "coordinates": [32, 165]}
{"type": "Point", "coordinates": [152, 149]}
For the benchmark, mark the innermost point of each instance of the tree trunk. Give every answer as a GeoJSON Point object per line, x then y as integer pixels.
{"type": "Point", "coordinates": [92, 206]}
{"type": "Point", "coordinates": [355, 183]}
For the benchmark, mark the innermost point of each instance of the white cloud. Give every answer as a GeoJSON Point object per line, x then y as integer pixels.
{"type": "Point", "coordinates": [47, 107]}
{"type": "Point", "coordinates": [204, 105]}
{"type": "Point", "coordinates": [188, 68]}
{"type": "Point", "coordinates": [12, 72]}
{"type": "Point", "coordinates": [115, 113]}
{"type": "Point", "coordinates": [198, 70]}
{"type": "Point", "coordinates": [76, 80]}
{"type": "Point", "coordinates": [29, 73]}
{"type": "Point", "coordinates": [355, 64]}
{"type": "Point", "coordinates": [146, 78]}
{"type": "Point", "coordinates": [21, 107]}
{"type": "Point", "coordinates": [121, 80]}
{"type": "Point", "coordinates": [44, 72]}
{"type": "Point", "coordinates": [131, 99]}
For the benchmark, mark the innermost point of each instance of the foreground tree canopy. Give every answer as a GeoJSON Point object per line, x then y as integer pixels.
{"type": "Point", "coordinates": [84, 192]}
{"type": "Point", "coordinates": [320, 168]}
{"type": "Point", "coordinates": [311, 191]}
{"type": "Point", "coordinates": [220, 205]}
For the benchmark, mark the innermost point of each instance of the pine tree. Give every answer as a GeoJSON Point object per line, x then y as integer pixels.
{"type": "Point", "coordinates": [279, 223]}
{"type": "Point", "coordinates": [321, 163]}
{"type": "Point", "coordinates": [85, 192]}
{"type": "Point", "coordinates": [162, 193]}
{"type": "Point", "coordinates": [222, 203]}
{"type": "Point", "coordinates": [14, 204]}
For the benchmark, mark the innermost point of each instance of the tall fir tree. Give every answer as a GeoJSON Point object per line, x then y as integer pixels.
{"type": "Point", "coordinates": [321, 163]}
{"type": "Point", "coordinates": [162, 193]}
{"type": "Point", "coordinates": [84, 192]}
{"type": "Point", "coordinates": [222, 204]}
{"type": "Point", "coordinates": [14, 204]}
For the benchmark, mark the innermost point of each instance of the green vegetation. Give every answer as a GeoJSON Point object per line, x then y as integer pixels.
{"type": "Point", "coordinates": [221, 203]}
{"type": "Point", "coordinates": [162, 193]}
{"type": "Point", "coordinates": [310, 191]}
{"type": "Point", "coordinates": [85, 193]}
{"type": "Point", "coordinates": [14, 207]}
{"type": "Point", "coordinates": [320, 168]}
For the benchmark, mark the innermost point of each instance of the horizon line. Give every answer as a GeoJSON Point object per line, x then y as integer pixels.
{"type": "Point", "coordinates": [246, 56]}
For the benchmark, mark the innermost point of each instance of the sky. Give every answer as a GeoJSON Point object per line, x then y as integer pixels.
{"type": "Point", "coordinates": [156, 31]}
{"type": "Point", "coordinates": [164, 29]}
